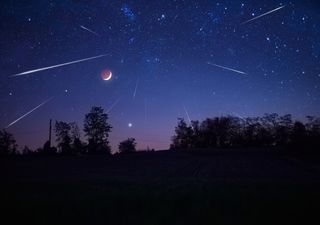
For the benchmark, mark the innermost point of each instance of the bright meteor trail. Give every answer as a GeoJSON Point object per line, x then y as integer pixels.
{"type": "Point", "coordinates": [21, 117]}
{"type": "Point", "coordinates": [264, 14]}
{"type": "Point", "coordinates": [185, 110]}
{"type": "Point", "coordinates": [227, 68]}
{"type": "Point", "coordinates": [91, 31]}
{"type": "Point", "coordinates": [59, 65]}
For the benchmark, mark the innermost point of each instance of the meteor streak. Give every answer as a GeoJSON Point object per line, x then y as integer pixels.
{"type": "Point", "coordinates": [113, 105]}
{"type": "Point", "coordinates": [91, 31]}
{"type": "Point", "coordinates": [59, 65]}
{"type": "Point", "coordinates": [135, 89]}
{"type": "Point", "coordinates": [26, 114]}
{"type": "Point", "coordinates": [185, 110]}
{"type": "Point", "coordinates": [264, 14]}
{"type": "Point", "coordinates": [227, 68]}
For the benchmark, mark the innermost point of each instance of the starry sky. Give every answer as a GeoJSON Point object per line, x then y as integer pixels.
{"type": "Point", "coordinates": [169, 59]}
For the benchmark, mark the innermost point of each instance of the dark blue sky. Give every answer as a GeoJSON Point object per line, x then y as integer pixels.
{"type": "Point", "coordinates": [158, 52]}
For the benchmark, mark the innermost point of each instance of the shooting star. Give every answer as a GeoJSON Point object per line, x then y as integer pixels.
{"type": "Point", "coordinates": [264, 14]}
{"type": "Point", "coordinates": [185, 110]}
{"type": "Point", "coordinates": [113, 105]}
{"type": "Point", "coordinates": [26, 114]}
{"type": "Point", "coordinates": [91, 31]}
{"type": "Point", "coordinates": [59, 65]}
{"type": "Point", "coordinates": [227, 68]}
{"type": "Point", "coordinates": [135, 89]}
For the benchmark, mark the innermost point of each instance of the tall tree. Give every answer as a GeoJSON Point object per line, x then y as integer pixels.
{"type": "Point", "coordinates": [75, 131]}
{"type": "Point", "coordinates": [62, 130]}
{"type": "Point", "coordinates": [209, 132]}
{"type": "Point", "coordinates": [77, 145]}
{"type": "Point", "coordinates": [97, 129]}
{"type": "Point", "coordinates": [7, 143]}
{"type": "Point", "coordinates": [283, 130]}
{"type": "Point", "coordinates": [183, 137]}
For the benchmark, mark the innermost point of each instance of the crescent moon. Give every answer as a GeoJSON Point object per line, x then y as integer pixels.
{"type": "Point", "coordinates": [109, 77]}
{"type": "Point", "coordinates": [106, 75]}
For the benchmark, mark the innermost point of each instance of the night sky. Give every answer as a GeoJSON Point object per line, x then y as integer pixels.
{"type": "Point", "coordinates": [168, 59]}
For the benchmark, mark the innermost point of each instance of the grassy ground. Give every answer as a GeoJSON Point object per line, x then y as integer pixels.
{"type": "Point", "coordinates": [159, 188]}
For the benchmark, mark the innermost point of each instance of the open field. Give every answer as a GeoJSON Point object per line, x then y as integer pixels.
{"type": "Point", "coordinates": [160, 188]}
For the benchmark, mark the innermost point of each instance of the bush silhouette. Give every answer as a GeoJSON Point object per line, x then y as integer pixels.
{"type": "Point", "coordinates": [127, 146]}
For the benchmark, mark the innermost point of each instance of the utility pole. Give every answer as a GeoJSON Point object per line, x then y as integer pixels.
{"type": "Point", "coordinates": [50, 128]}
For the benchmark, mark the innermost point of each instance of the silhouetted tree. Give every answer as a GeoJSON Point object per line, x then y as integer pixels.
{"type": "Point", "coordinates": [313, 130]}
{"type": "Point", "coordinates": [7, 143]}
{"type": "Point", "coordinates": [47, 149]}
{"type": "Point", "coordinates": [209, 133]}
{"type": "Point", "coordinates": [183, 137]}
{"type": "Point", "coordinates": [236, 131]}
{"type": "Point", "coordinates": [267, 131]}
{"type": "Point", "coordinates": [224, 131]}
{"type": "Point", "coordinates": [253, 132]}
{"type": "Point", "coordinates": [127, 146]}
{"type": "Point", "coordinates": [75, 131]}
{"type": "Point", "coordinates": [26, 151]}
{"type": "Point", "coordinates": [77, 145]}
{"type": "Point", "coordinates": [62, 130]}
{"type": "Point", "coordinates": [283, 130]}
{"type": "Point", "coordinates": [97, 130]}
{"type": "Point", "coordinates": [298, 137]}
{"type": "Point", "coordinates": [219, 132]}
{"type": "Point", "coordinates": [197, 140]}
{"type": "Point", "coordinates": [310, 122]}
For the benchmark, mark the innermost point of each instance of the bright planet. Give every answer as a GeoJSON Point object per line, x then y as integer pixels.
{"type": "Point", "coordinates": [106, 74]}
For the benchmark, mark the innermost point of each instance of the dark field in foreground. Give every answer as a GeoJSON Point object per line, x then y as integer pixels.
{"type": "Point", "coordinates": [160, 188]}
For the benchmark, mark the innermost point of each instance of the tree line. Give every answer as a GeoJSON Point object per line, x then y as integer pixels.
{"type": "Point", "coordinates": [96, 128]}
{"type": "Point", "coordinates": [269, 130]}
